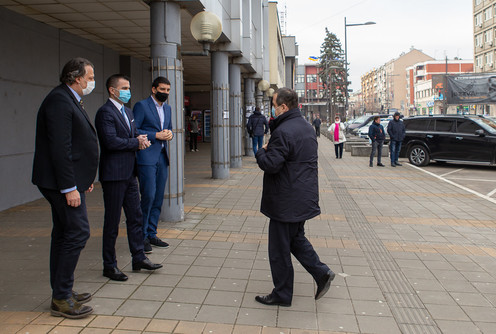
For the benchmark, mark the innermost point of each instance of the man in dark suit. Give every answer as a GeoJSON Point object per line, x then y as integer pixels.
{"type": "Point", "coordinates": [118, 170]}
{"type": "Point", "coordinates": [290, 197]}
{"type": "Point", "coordinates": [64, 168]}
{"type": "Point", "coordinates": [153, 118]}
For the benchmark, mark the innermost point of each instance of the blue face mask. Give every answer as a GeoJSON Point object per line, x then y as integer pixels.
{"type": "Point", "coordinates": [273, 112]}
{"type": "Point", "coordinates": [124, 95]}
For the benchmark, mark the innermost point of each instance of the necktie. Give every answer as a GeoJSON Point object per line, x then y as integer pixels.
{"type": "Point", "coordinates": [123, 111]}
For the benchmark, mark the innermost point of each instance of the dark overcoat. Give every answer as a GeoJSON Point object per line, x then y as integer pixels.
{"type": "Point", "coordinates": [290, 185]}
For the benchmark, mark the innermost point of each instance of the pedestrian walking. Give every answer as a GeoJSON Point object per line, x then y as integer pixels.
{"type": "Point", "coordinates": [316, 123]}
{"type": "Point", "coordinates": [257, 127]}
{"type": "Point", "coordinates": [119, 142]}
{"type": "Point", "coordinates": [336, 131]}
{"type": "Point", "coordinates": [193, 133]}
{"type": "Point", "coordinates": [153, 117]}
{"type": "Point", "coordinates": [396, 131]}
{"type": "Point", "coordinates": [64, 168]}
{"type": "Point", "coordinates": [377, 136]}
{"type": "Point", "coordinates": [290, 196]}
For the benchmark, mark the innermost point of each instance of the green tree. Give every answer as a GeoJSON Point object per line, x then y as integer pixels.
{"type": "Point", "coordinates": [332, 71]}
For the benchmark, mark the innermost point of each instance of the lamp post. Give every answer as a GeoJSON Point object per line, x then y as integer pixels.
{"type": "Point", "coordinates": [346, 57]}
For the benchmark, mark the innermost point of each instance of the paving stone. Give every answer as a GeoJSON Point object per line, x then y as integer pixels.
{"type": "Point", "coordinates": [384, 325]}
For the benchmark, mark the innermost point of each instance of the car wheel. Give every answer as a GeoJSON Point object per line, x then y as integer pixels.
{"type": "Point", "coordinates": [418, 155]}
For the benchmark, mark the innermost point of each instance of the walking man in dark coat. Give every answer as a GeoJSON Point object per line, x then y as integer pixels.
{"type": "Point", "coordinates": [396, 131]}
{"type": "Point", "coordinates": [316, 123]}
{"type": "Point", "coordinates": [377, 136]}
{"type": "Point", "coordinates": [257, 127]}
{"type": "Point", "coordinates": [290, 197]}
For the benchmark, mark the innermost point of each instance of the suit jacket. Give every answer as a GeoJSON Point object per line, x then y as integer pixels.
{"type": "Point", "coordinates": [118, 144]}
{"type": "Point", "coordinates": [66, 149]}
{"type": "Point", "coordinates": [148, 122]}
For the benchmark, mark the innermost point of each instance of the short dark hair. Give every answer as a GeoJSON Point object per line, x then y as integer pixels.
{"type": "Point", "coordinates": [288, 97]}
{"type": "Point", "coordinates": [160, 80]}
{"type": "Point", "coordinates": [376, 118]}
{"type": "Point", "coordinates": [114, 79]}
{"type": "Point", "coordinates": [74, 68]}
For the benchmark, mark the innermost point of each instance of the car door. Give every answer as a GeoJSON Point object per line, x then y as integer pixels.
{"type": "Point", "coordinates": [439, 140]}
{"type": "Point", "coordinates": [468, 146]}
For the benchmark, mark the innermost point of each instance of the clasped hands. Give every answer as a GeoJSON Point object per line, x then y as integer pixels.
{"type": "Point", "coordinates": [164, 135]}
{"type": "Point", "coordinates": [143, 142]}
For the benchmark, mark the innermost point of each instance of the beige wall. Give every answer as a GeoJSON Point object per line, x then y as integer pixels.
{"type": "Point", "coordinates": [277, 65]}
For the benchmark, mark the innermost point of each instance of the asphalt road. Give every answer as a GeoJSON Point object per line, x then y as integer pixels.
{"type": "Point", "coordinates": [479, 179]}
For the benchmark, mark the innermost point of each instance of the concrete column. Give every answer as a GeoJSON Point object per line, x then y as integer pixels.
{"type": "Point", "coordinates": [259, 98]}
{"type": "Point", "coordinates": [165, 24]}
{"type": "Point", "coordinates": [249, 108]}
{"type": "Point", "coordinates": [235, 126]}
{"type": "Point", "coordinates": [220, 115]}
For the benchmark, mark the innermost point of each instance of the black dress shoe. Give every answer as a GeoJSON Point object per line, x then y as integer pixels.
{"type": "Point", "coordinates": [81, 297]}
{"type": "Point", "coordinates": [157, 242]}
{"type": "Point", "coordinates": [398, 164]}
{"type": "Point", "coordinates": [270, 300]}
{"type": "Point", "coordinates": [147, 247]}
{"type": "Point", "coordinates": [146, 264]}
{"type": "Point", "coordinates": [324, 284]}
{"type": "Point", "coordinates": [114, 274]}
{"type": "Point", "coordinates": [69, 308]}
{"type": "Point", "coordinates": [380, 165]}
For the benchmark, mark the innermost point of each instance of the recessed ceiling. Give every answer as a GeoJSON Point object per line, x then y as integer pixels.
{"type": "Point", "coordinates": [119, 24]}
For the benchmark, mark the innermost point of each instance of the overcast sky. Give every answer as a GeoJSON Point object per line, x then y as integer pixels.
{"type": "Point", "coordinates": [438, 28]}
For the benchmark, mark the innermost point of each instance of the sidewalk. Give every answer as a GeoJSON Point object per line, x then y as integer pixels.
{"type": "Point", "coordinates": [413, 255]}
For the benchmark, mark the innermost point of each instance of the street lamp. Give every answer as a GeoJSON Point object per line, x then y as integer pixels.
{"type": "Point", "coordinates": [346, 57]}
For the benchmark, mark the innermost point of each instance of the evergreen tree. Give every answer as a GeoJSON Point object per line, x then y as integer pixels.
{"type": "Point", "coordinates": [332, 71]}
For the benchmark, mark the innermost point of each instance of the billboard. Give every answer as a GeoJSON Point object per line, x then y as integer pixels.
{"type": "Point", "coordinates": [472, 88]}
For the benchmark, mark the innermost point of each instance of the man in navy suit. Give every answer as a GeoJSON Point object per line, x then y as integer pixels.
{"type": "Point", "coordinates": [118, 170]}
{"type": "Point", "coordinates": [64, 168]}
{"type": "Point", "coordinates": [153, 118]}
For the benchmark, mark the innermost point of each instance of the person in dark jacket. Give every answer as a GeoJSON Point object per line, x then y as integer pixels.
{"type": "Point", "coordinates": [377, 136]}
{"type": "Point", "coordinates": [290, 196]}
{"type": "Point", "coordinates": [316, 123]}
{"type": "Point", "coordinates": [257, 126]}
{"type": "Point", "coordinates": [396, 131]}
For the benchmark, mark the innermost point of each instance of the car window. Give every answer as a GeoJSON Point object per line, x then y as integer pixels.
{"type": "Point", "coordinates": [466, 126]}
{"type": "Point", "coordinates": [488, 124]}
{"type": "Point", "coordinates": [416, 124]}
{"type": "Point", "coordinates": [430, 125]}
{"type": "Point", "coordinates": [444, 125]}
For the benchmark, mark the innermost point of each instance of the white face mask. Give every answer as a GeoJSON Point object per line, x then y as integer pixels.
{"type": "Point", "coordinates": [89, 87]}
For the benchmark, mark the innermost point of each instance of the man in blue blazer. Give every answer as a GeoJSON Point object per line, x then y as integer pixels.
{"type": "Point", "coordinates": [118, 170]}
{"type": "Point", "coordinates": [153, 118]}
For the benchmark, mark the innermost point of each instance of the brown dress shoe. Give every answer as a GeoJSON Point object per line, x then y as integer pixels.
{"type": "Point", "coordinates": [69, 308]}
{"type": "Point", "coordinates": [81, 297]}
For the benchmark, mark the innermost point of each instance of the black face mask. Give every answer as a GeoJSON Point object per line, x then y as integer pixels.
{"type": "Point", "coordinates": [161, 97]}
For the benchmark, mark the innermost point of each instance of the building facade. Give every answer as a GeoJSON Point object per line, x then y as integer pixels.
{"type": "Point", "coordinates": [424, 85]}
{"type": "Point", "coordinates": [384, 88]}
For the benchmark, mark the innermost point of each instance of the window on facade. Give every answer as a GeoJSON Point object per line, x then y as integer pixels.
{"type": "Point", "coordinates": [478, 61]}
{"type": "Point", "coordinates": [300, 92]}
{"type": "Point", "coordinates": [478, 2]}
{"type": "Point", "coordinates": [311, 77]}
{"type": "Point", "coordinates": [300, 78]}
{"type": "Point", "coordinates": [478, 40]}
{"type": "Point", "coordinates": [488, 36]}
{"type": "Point", "coordinates": [488, 14]}
{"type": "Point", "coordinates": [478, 19]}
{"type": "Point", "coordinates": [311, 94]}
{"type": "Point", "coordinates": [488, 58]}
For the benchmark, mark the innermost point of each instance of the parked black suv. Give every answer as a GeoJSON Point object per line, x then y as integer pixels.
{"type": "Point", "coordinates": [450, 138]}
